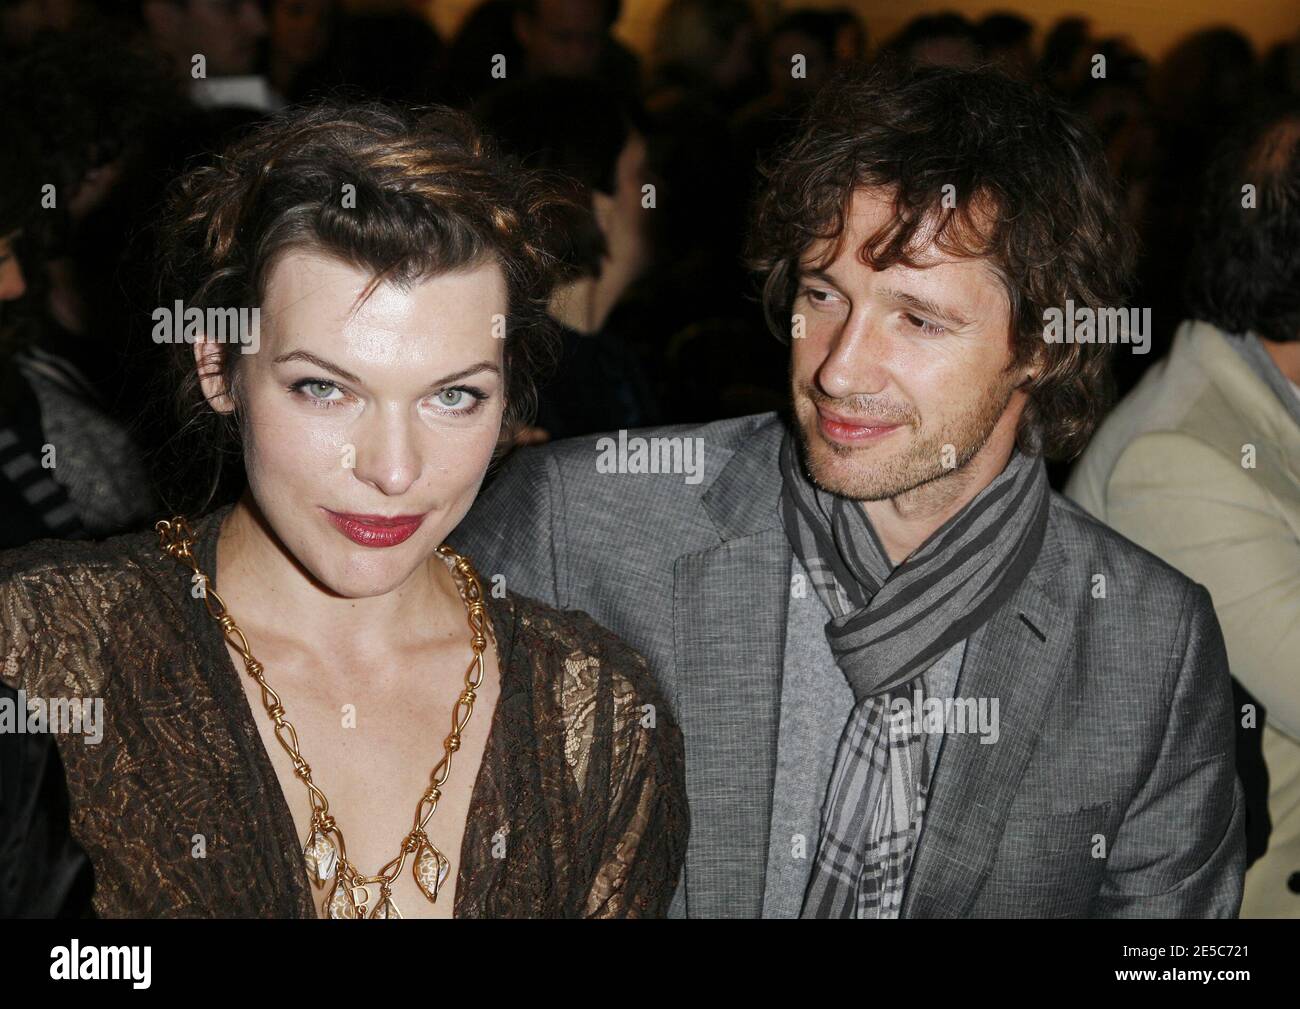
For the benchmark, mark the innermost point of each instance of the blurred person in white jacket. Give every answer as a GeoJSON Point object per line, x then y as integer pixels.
{"type": "Point", "coordinates": [1201, 462]}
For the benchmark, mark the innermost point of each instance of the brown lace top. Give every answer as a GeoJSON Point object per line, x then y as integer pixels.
{"type": "Point", "coordinates": [593, 803]}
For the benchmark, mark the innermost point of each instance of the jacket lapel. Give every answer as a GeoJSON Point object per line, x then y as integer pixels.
{"type": "Point", "coordinates": [1017, 658]}
{"type": "Point", "coordinates": [730, 605]}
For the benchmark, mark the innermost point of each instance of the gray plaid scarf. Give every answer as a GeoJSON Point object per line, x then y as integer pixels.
{"type": "Point", "coordinates": [888, 626]}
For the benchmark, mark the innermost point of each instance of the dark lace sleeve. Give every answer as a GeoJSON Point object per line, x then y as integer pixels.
{"type": "Point", "coordinates": [623, 755]}
{"type": "Point", "coordinates": [644, 842]}
{"type": "Point", "coordinates": [52, 597]}
{"type": "Point", "coordinates": [21, 630]}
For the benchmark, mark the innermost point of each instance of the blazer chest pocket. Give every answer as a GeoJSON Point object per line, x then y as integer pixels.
{"type": "Point", "coordinates": [1049, 864]}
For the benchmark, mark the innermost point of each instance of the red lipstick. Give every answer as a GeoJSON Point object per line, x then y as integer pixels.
{"type": "Point", "coordinates": [846, 430]}
{"type": "Point", "coordinates": [375, 530]}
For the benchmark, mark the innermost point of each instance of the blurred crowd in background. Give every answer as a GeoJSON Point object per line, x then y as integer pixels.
{"type": "Point", "coordinates": [105, 103]}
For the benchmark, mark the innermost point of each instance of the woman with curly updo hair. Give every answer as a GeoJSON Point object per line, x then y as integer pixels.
{"type": "Point", "coordinates": [353, 301]}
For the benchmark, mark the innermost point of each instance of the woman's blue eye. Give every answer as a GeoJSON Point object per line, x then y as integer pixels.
{"type": "Point", "coordinates": [323, 393]}
{"type": "Point", "coordinates": [318, 390]}
{"type": "Point", "coordinates": [460, 400]}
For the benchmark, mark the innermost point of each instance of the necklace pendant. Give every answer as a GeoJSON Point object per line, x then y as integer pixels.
{"type": "Point", "coordinates": [385, 908]}
{"type": "Point", "coordinates": [322, 857]}
{"type": "Point", "coordinates": [430, 869]}
{"type": "Point", "coordinates": [340, 904]}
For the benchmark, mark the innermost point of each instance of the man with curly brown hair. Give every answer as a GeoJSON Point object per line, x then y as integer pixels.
{"type": "Point", "coordinates": [912, 680]}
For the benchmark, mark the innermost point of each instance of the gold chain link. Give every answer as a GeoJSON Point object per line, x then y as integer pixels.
{"type": "Point", "coordinates": [177, 539]}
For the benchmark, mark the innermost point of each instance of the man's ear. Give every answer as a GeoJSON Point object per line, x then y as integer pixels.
{"type": "Point", "coordinates": [1031, 369]}
{"type": "Point", "coordinates": [208, 356]}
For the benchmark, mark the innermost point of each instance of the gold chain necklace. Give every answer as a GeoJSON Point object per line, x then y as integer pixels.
{"type": "Point", "coordinates": [325, 859]}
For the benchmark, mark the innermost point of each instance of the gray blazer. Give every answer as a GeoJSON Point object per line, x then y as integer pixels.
{"type": "Point", "coordinates": [1111, 790]}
